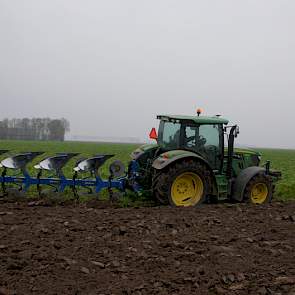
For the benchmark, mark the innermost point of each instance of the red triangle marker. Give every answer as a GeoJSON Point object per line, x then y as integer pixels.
{"type": "Point", "coordinates": [153, 134]}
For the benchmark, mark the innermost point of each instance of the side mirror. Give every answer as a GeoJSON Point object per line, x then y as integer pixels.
{"type": "Point", "coordinates": [153, 134]}
{"type": "Point", "coordinates": [237, 131]}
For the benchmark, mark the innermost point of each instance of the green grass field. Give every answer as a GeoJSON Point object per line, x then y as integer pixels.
{"type": "Point", "coordinates": [283, 160]}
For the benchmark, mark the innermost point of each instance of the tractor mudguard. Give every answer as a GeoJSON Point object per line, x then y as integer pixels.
{"type": "Point", "coordinates": [143, 149]}
{"type": "Point", "coordinates": [241, 181]}
{"type": "Point", "coordinates": [170, 157]}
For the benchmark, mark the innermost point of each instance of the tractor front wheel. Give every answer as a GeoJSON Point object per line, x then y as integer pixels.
{"type": "Point", "coordinates": [183, 184]}
{"type": "Point", "coordinates": [259, 190]}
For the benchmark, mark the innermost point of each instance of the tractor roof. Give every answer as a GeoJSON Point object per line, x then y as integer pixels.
{"type": "Point", "coordinates": [194, 119]}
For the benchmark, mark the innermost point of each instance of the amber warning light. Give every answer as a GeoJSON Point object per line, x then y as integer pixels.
{"type": "Point", "coordinates": [153, 134]}
{"type": "Point", "coordinates": [199, 111]}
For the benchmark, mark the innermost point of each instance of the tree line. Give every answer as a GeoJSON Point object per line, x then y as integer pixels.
{"type": "Point", "coordinates": [34, 129]}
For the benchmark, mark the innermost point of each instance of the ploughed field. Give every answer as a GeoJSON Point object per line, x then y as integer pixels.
{"type": "Point", "coordinates": [92, 248]}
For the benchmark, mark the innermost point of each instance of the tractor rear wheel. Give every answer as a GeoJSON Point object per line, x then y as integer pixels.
{"type": "Point", "coordinates": [259, 190]}
{"type": "Point", "coordinates": [185, 183]}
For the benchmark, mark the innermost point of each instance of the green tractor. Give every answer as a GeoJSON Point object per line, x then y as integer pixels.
{"type": "Point", "coordinates": [194, 161]}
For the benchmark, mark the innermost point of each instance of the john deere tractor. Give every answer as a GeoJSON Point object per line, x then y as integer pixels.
{"type": "Point", "coordinates": [194, 161]}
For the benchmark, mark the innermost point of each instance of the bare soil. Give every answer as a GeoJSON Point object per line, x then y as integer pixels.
{"type": "Point", "coordinates": [96, 249]}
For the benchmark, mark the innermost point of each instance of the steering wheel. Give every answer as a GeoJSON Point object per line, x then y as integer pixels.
{"type": "Point", "coordinates": [201, 141]}
{"type": "Point", "coordinates": [191, 141]}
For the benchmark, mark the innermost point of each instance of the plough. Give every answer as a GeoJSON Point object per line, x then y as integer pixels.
{"type": "Point", "coordinates": [20, 178]}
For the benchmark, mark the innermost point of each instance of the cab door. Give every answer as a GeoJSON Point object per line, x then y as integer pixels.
{"type": "Point", "coordinates": [205, 140]}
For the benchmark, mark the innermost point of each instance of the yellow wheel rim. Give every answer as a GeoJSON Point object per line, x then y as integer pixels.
{"type": "Point", "coordinates": [259, 193]}
{"type": "Point", "coordinates": [187, 189]}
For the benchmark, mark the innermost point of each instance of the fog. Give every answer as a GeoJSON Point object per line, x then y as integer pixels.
{"type": "Point", "coordinates": [110, 67]}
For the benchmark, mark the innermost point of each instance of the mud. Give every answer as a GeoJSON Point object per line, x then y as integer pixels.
{"type": "Point", "coordinates": [214, 249]}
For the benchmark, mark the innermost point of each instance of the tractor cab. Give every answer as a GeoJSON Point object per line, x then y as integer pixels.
{"type": "Point", "coordinates": [200, 135]}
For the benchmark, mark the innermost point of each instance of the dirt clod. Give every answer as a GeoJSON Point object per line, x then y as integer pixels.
{"type": "Point", "coordinates": [85, 270]}
{"type": "Point", "coordinates": [97, 263]}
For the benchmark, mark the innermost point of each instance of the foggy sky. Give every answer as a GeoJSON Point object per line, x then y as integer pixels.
{"type": "Point", "coordinates": [110, 67]}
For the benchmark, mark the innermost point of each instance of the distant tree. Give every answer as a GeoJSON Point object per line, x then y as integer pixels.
{"type": "Point", "coordinates": [57, 129]}
{"type": "Point", "coordinates": [34, 129]}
